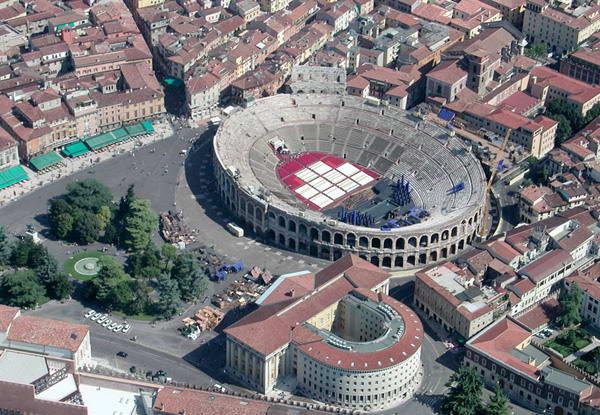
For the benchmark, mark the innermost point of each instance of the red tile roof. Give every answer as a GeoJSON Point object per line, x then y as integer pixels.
{"type": "Point", "coordinates": [318, 349]}
{"type": "Point", "coordinates": [546, 265]}
{"type": "Point", "coordinates": [540, 315]}
{"type": "Point", "coordinates": [499, 340]}
{"type": "Point", "coordinates": [268, 328]}
{"type": "Point", "coordinates": [7, 315]}
{"type": "Point", "coordinates": [45, 332]}
{"type": "Point", "coordinates": [193, 402]}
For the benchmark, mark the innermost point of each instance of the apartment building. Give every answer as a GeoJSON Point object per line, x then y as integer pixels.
{"type": "Point", "coordinates": [503, 355]}
{"type": "Point", "coordinates": [588, 281]}
{"type": "Point", "coordinates": [561, 29]}
{"type": "Point", "coordinates": [538, 203]}
{"type": "Point", "coordinates": [583, 64]}
{"type": "Point", "coordinates": [9, 150]}
{"type": "Point", "coordinates": [547, 85]}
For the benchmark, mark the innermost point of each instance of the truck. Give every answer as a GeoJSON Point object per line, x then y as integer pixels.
{"type": "Point", "coordinates": [235, 230]}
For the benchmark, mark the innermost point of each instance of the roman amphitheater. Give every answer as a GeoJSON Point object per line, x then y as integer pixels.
{"type": "Point", "coordinates": [327, 175]}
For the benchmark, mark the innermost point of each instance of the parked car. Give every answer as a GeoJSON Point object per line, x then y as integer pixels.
{"type": "Point", "coordinates": [126, 328]}
{"type": "Point", "coordinates": [122, 354]}
{"type": "Point", "coordinates": [90, 313]}
{"type": "Point", "coordinates": [102, 319]}
{"type": "Point", "coordinates": [95, 316]}
{"type": "Point", "coordinates": [112, 326]}
{"type": "Point", "coordinates": [106, 323]}
{"type": "Point", "coordinates": [117, 328]}
{"type": "Point", "coordinates": [133, 369]}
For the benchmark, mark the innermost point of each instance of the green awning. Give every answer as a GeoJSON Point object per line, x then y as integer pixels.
{"type": "Point", "coordinates": [101, 140]}
{"type": "Point", "coordinates": [135, 130]}
{"type": "Point", "coordinates": [44, 161]}
{"type": "Point", "coordinates": [12, 175]}
{"type": "Point", "coordinates": [75, 149]}
{"type": "Point", "coordinates": [120, 134]}
{"type": "Point", "coordinates": [148, 126]}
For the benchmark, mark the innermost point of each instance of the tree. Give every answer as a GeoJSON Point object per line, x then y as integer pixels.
{"type": "Point", "coordinates": [464, 396]}
{"type": "Point", "coordinates": [59, 287]}
{"type": "Point", "coordinates": [61, 218]}
{"type": "Point", "coordinates": [168, 297]}
{"type": "Point", "coordinates": [570, 302]}
{"type": "Point", "coordinates": [139, 224]}
{"type": "Point", "coordinates": [498, 404]}
{"type": "Point", "coordinates": [86, 228]}
{"type": "Point", "coordinates": [536, 51]}
{"type": "Point", "coordinates": [189, 277]}
{"type": "Point", "coordinates": [564, 130]}
{"type": "Point", "coordinates": [26, 253]}
{"type": "Point", "coordinates": [169, 252]}
{"type": "Point", "coordinates": [145, 264]}
{"type": "Point", "coordinates": [104, 216]}
{"type": "Point", "coordinates": [22, 289]}
{"type": "Point", "coordinates": [88, 195]}
{"type": "Point", "coordinates": [106, 288]}
{"type": "Point", "coordinates": [5, 247]}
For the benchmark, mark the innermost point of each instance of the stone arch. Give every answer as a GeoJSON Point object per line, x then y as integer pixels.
{"type": "Point", "coordinates": [433, 256]}
{"type": "Point", "coordinates": [337, 254]}
{"type": "Point", "coordinates": [470, 222]}
{"type": "Point", "coordinates": [386, 262]}
{"type": "Point", "coordinates": [445, 235]}
{"type": "Point", "coordinates": [388, 243]}
{"type": "Point", "coordinates": [351, 240]}
{"type": "Point", "coordinates": [281, 221]}
{"type": "Point", "coordinates": [399, 262]}
{"type": "Point", "coordinates": [422, 259]}
{"type": "Point", "coordinates": [242, 205]}
{"type": "Point", "coordinates": [250, 209]}
{"type": "Point", "coordinates": [452, 249]}
{"type": "Point", "coordinates": [292, 244]}
{"type": "Point", "coordinates": [292, 226]}
{"type": "Point", "coordinates": [444, 252]}
{"type": "Point", "coordinates": [326, 236]}
{"type": "Point", "coordinates": [435, 238]}
{"type": "Point", "coordinates": [411, 260]}
{"type": "Point", "coordinates": [258, 214]}
{"type": "Point", "coordinates": [302, 229]}
{"type": "Point", "coordinates": [270, 216]}
{"type": "Point", "coordinates": [423, 241]}
{"type": "Point", "coordinates": [375, 260]}
{"type": "Point", "coordinates": [461, 244]}
{"type": "Point", "coordinates": [376, 243]}
{"type": "Point", "coordinates": [338, 238]}
{"type": "Point", "coordinates": [400, 243]}
{"type": "Point", "coordinates": [281, 239]}
{"type": "Point", "coordinates": [412, 241]}
{"type": "Point", "coordinates": [454, 231]}
{"type": "Point", "coordinates": [314, 234]}
{"type": "Point", "coordinates": [270, 235]}
{"type": "Point", "coordinates": [363, 242]}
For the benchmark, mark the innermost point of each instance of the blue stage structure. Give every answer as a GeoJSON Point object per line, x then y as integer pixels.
{"type": "Point", "coordinates": [457, 188]}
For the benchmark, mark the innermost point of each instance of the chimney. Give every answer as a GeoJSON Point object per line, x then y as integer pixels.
{"type": "Point", "coordinates": [379, 297]}
{"type": "Point", "coordinates": [291, 292]}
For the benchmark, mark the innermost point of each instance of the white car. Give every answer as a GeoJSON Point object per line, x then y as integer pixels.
{"type": "Point", "coordinates": [117, 328]}
{"type": "Point", "coordinates": [112, 326]}
{"type": "Point", "coordinates": [126, 328]}
{"type": "Point", "coordinates": [106, 323]}
{"type": "Point", "coordinates": [95, 316]}
{"type": "Point", "coordinates": [102, 318]}
{"type": "Point", "coordinates": [90, 313]}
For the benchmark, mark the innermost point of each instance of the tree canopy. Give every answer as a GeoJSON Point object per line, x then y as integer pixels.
{"type": "Point", "coordinates": [189, 277]}
{"type": "Point", "coordinates": [498, 404]}
{"type": "Point", "coordinates": [570, 303]}
{"type": "Point", "coordinates": [21, 289]}
{"type": "Point", "coordinates": [139, 224]}
{"type": "Point", "coordinates": [464, 396]}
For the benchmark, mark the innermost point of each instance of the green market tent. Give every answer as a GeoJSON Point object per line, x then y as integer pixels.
{"type": "Point", "coordinates": [12, 175]}
{"type": "Point", "coordinates": [148, 126]}
{"type": "Point", "coordinates": [135, 130]}
{"type": "Point", "coordinates": [120, 134]}
{"type": "Point", "coordinates": [44, 161]}
{"type": "Point", "coordinates": [75, 149]}
{"type": "Point", "coordinates": [101, 140]}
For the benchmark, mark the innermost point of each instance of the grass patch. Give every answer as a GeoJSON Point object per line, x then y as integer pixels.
{"type": "Point", "coordinates": [69, 265]}
{"type": "Point", "coordinates": [588, 361]}
{"type": "Point", "coordinates": [140, 317]}
{"type": "Point", "coordinates": [569, 342]}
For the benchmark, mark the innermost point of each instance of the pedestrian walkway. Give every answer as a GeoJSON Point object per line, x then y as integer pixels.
{"type": "Point", "coordinates": [17, 186]}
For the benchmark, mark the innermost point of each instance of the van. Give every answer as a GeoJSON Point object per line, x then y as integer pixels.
{"type": "Point", "coordinates": [235, 230]}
